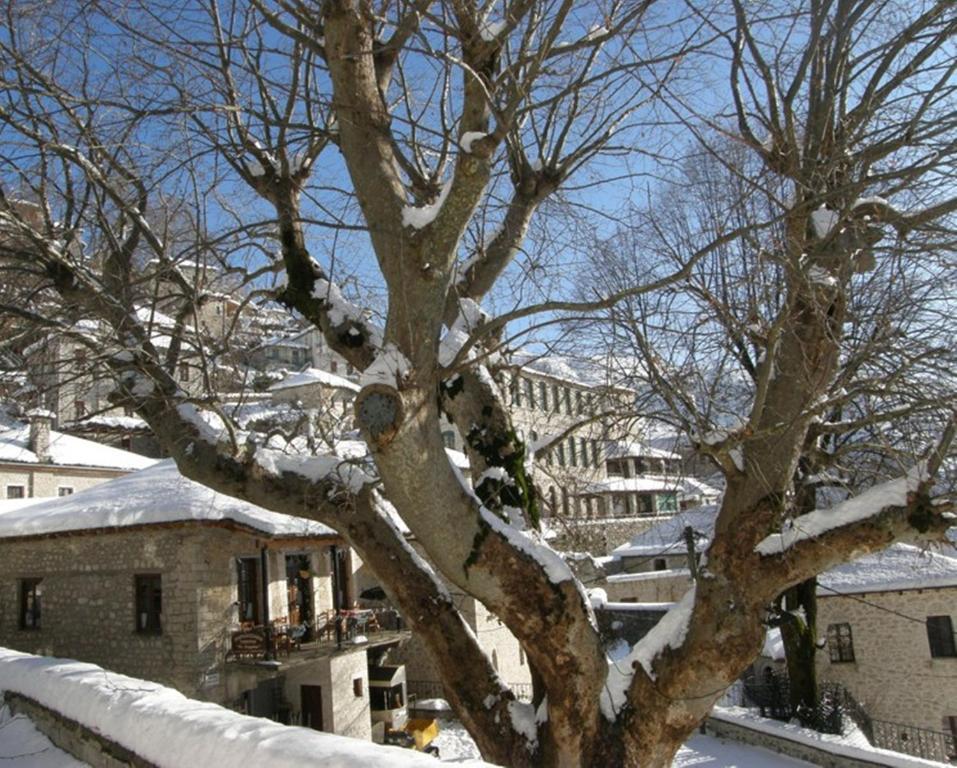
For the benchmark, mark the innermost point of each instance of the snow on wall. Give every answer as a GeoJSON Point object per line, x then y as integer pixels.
{"type": "Point", "coordinates": [165, 728]}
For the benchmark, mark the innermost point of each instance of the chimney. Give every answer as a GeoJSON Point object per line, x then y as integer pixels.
{"type": "Point", "coordinates": [40, 423]}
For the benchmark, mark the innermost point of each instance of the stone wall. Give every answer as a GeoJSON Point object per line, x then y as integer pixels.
{"type": "Point", "coordinates": [599, 537]}
{"type": "Point", "coordinates": [779, 742]}
{"type": "Point", "coordinates": [893, 675]}
{"type": "Point", "coordinates": [73, 738]}
{"type": "Point", "coordinates": [654, 587]}
{"type": "Point", "coordinates": [88, 602]}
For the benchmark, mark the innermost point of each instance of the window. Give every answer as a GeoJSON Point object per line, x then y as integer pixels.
{"type": "Point", "coordinates": [529, 394]}
{"type": "Point", "coordinates": [148, 589]}
{"type": "Point", "coordinates": [596, 457]}
{"type": "Point", "coordinates": [247, 574]}
{"type": "Point", "coordinates": [79, 408]}
{"type": "Point", "coordinates": [556, 400]}
{"type": "Point", "coordinates": [16, 492]}
{"type": "Point", "coordinates": [840, 643]}
{"type": "Point", "coordinates": [448, 438]}
{"type": "Point", "coordinates": [940, 636]}
{"type": "Point", "coordinates": [561, 454]}
{"type": "Point", "coordinates": [567, 397]}
{"type": "Point", "coordinates": [495, 660]}
{"type": "Point", "coordinates": [579, 407]}
{"type": "Point", "coordinates": [31, 592]}
{"type": "Point", "coordinates": [183, 372]}
{"type": "Point", "coordinates": [572, 456]}
{"type": "Point", "coordinates": [357, 687]}
{"type": "Point", "coordinates": [661, 564]}
{"type": "Point", "coordinates": [521, 657]}
{"type": "Point", "coordinates": [543, 395]}
{"type": "Point", "coordinates": [64, 490]}
{"type": "Point", "coordinates": [583, 451]}
{"type": "Point", "coordinates": [333, 366]}
{"type": "Point", "coordinates": [517, 391]}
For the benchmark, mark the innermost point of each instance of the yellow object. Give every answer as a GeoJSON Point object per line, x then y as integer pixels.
{"type": "Point", "coordinates": [423, 731]}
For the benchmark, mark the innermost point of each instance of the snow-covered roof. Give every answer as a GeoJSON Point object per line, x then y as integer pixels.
{"type": "Point", "coordinates": [151, 496]}
{"type": "Point", "coordinates": [618, 449]}
{"type": "Point", "coordinates": [643, 484]}
{"type": "Point", "coordinates": [299, 339]}
{"type": "Point", "coordinates": [130, 423]}
{"type": "Point", "coordinates": [668, 535]}
{"type": "Point", "coordinates": [314, 376]}
{"type": "Point", "coordinates": [67, 450]}
{"type": "Point", "coordinates": [900, 566]}
{"type": "Point", "coordinates": [580, 372]}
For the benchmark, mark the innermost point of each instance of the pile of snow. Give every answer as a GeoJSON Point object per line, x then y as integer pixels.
{"type": "Point", "coordinates": [171, 731]}
{"type": "Point", "coordinates": [773, 645]}
{"type": "Point", "coordinates": [159, 494]}
{"type": "Point", "coordinates": [66, 450]}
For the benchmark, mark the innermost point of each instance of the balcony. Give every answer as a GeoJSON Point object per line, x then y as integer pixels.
{"type": "Point", "coordinates": [283, 645]}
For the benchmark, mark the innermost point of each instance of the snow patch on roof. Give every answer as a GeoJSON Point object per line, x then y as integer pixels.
{"type": "Point", "coordinates": [314, 376]}
{"type": "Point", "coordinates": [899, 567]}
{"type": "Point", "coordinates": [156, 495]}
{"type": "Point", "coordinates": [67, 450]}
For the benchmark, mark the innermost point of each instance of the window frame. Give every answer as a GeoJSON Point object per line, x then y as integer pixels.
{"type": "Point", "coordinates": [248, 588]}
{"type": "Point", "coordinates": [65, 490]}
{"type": "Point", "coordinates": [148, 595]}
{"type": "Point", "coordinates": [30, 586]}
{"type": "Point", "coordinates": [940, 639]}
{"type": "Point", "coordinates": [840, 643]}
{"type": "Point", "coordinates": [23, 491]}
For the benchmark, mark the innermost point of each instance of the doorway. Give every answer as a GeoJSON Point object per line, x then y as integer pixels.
{"type": "Point", "coordinates": [311, 698]}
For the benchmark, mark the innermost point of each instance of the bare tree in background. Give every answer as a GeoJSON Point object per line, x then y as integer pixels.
{"type": "Point", "coordinates": [297, 121]}
{"type": "Point", "coordinates": [703, 343]}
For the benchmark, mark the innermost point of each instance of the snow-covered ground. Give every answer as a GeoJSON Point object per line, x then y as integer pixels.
{"type": "Point", "coordinates": [455, 745]}
{"type": "Point", "coordinates": [23, 746]}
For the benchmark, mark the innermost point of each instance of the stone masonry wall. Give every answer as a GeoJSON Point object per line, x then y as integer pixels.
{"type": "Point", "coordinates": [88, 603]}
{"type": "Point", "coordinates": [893, 674]}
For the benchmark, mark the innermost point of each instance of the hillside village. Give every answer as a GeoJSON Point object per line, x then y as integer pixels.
{"type": "Point", "coordinates": [113, 557]}
{"type": "Point", "coordinates": [536, 383]}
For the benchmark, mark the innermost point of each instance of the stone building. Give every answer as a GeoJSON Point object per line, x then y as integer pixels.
{"type": "Point", "coordinates": [37, 461]}
{"type": "Point", "coordinates": [888, 621]}
{"type": "Point", "coordinates": [156, 576]}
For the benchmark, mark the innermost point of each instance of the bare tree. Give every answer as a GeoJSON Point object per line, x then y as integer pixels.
{"type": "Point", "coordinates": [892, 390]}
{"type": "Point", "coordinates": [430, 108]}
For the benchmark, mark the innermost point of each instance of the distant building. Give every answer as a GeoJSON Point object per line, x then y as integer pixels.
{"type": "Point", "coordinates": [37, 461]}
{"type": "Point", "coordinates": [158, 576]}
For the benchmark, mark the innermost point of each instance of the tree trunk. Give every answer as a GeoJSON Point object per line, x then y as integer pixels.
{"type": "Point", "coordinates": [799, 633]}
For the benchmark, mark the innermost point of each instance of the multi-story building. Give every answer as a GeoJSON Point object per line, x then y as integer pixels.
{"type": "Point", "coordinates": [158, 576]}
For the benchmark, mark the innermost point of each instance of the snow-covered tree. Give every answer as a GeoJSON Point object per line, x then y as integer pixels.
{"type": "Point", "coordinates": [292, 124]}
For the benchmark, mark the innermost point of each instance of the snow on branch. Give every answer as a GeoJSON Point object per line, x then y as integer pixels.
{"type": "Point", "coordinates": [669, 632]}
{"type": "Point", "coordinates": [313, 468]}
{"type": "Point", "coordinates": [898, 493]}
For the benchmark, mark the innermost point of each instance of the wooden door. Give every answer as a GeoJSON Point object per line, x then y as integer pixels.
{"type": "Point", "coordinates": [311, 698]}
